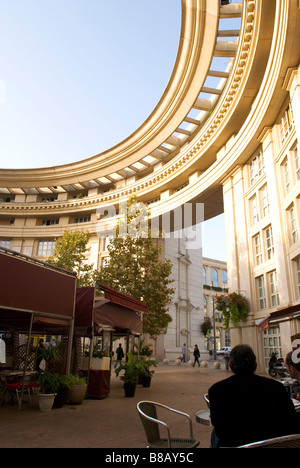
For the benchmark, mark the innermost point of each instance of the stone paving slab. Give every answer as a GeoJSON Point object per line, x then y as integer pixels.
{"type": "Point", "coordinates": [113, 422]}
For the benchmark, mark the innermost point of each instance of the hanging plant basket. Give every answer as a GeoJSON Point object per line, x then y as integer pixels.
{"type": "Point", "coordinates": [206, 326]}
{"type": "Point", "coordinates": [234, 308]}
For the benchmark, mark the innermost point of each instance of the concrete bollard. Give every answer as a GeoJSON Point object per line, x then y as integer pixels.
{"type": "Point", "coordinates": [204, 363]}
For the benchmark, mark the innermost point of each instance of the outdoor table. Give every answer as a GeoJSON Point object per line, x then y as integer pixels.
{"type": "Point", "coordinates": [8, 377]}
{"type": "Point", "coordinates": [203, 417]}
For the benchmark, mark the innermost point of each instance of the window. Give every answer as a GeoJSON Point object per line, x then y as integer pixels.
{"type": "Point", "coordinates": [224, 277]}
{"type": "Point", "coordinates": [297, 162]}
{"type": "Point", "coordinates": [204, 275]}
{"type": "Point", "coordinates": [84, 219]}
{"type": "Point", "coordinates": [45, 248]}
{"type": "Point", "coordinates": [269, 243]}
{"type": "Point", "coordinates": [286, 123]}
{"type": "Point", "coordinates": [205, 306]}
{"type": "Point", "coordinates": [257, 168]}
{"type": "Point", "coordinates": [286, 176]}
{"type": "Point", "coordinates": [107, 241]}
{"type": "Point", "coordinates": [274, 296]}
{"type": "Point", "coordinates": [5, 244]}
{"type": "Point", "coordinates": [292, 224]}
{"type": "Point", "coordinates": [258, 250]}
{"type": "Point", "coordinates": [261, 293]}
{"type": "Point", "coordinates": [49, 222]}
{"type": "Point", "coordinates": [214, 277]}
{"type": "Point", "coordinates": [254, 210]}
{"type": "Point", "coordinates": [272, 343]}
{"type": "Point", "coordinates": [297, 270]}
{"type": "Point", "coordinates": [265, 201]}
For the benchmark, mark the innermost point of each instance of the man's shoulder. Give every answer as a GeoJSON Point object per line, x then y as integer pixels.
{"type": "Point", "coordinates": [222, 384]}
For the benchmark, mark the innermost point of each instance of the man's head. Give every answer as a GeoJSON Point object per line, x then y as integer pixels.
{"type": "Point", "coordinates": [242, 360]}
{"type": "Point", "coordinates": [292, 365]}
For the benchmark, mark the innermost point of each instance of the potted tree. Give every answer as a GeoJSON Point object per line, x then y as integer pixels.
{"type": "Point", "coordinates": [132, 370]}
{"type": "Point", "coordinates": [49, 384]}
{"type": "Point", "coordinates": [62, 390]}
{"type": "Point", "coordinates": [48, 381]}
{"type": "Point", "coordinates": [146, 372]}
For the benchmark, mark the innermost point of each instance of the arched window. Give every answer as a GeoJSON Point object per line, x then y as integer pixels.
{"type": "Point", "coordinates": [214, 277]}
{"type": "Point", "coordinates": [205, 305]}
{"type": "Point", "coordinates": [224, 277]}
{"type": "Point", "coordinates": [204, 275]}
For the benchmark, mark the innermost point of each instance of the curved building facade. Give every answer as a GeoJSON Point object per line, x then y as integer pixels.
{"type": "Point", "coordinates": [225, 135]}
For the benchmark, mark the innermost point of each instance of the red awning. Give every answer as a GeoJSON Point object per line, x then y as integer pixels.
{"type": "Point", "coordinates": [122, 299]}
{"type": "Point", "coordinates": [99, 311]}
{"type": "Point", "coordinates": [32, 286]}
{"type": "Point", "coordinates": [29, 287]}
{"type": "Point", "coordinates": [292, 311]}
{"type": "Point", "coordinates": [120, 318]}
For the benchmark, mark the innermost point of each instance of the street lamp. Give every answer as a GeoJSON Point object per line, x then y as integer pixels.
{"type": "Point", "coordinates": [214, 325]}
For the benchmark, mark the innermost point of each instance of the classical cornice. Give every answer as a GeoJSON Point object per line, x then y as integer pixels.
{"type": "Point", "coordinates": [246, 105]}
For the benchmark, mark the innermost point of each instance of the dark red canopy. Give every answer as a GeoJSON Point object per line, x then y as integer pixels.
{"type": "Point", "coordinates": [99, 312]}
{"type": "Point", "coordinates": [31, 287]}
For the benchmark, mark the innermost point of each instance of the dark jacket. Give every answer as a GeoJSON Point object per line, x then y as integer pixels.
{"type": "Point", "coordinates": [249, 408]}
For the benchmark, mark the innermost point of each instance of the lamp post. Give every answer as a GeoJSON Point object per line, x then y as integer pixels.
{"type": "Point", "coordinates": [214, 324]}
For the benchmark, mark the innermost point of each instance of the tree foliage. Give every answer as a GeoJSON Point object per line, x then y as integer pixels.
{"type": "Point", "coordinates": [135, 268]}
{"type": "Point", "coordinates": [70, 254]}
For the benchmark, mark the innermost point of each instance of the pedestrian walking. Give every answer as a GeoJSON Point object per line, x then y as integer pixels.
{"type": "Point", "coordinates": [120, 355]}
{"type": "Point", "coordinates": [196, 355]}
{"type": "Point", "coordinates": [184, 353]}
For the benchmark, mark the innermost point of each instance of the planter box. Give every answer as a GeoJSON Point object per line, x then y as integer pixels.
{"type": "Point", "coordinates": [96, 363]}
{"type": "Point", "coordinates": [99, 383]}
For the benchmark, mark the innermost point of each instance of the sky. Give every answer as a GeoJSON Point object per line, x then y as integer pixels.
{"type": "Point", "coordinates": [79, 76]}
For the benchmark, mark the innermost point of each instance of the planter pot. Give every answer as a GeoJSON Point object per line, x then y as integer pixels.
{"type": "Point", "coordinates": [76, 394]}
{"type": "Point", "coordinates": [45, 401]}
{"type": "Point", "coordinates": [146, 381]}
{"type": "Point", "coordinates": [129, 389]}
{"type": "Point", "coordinates": [61, 398]}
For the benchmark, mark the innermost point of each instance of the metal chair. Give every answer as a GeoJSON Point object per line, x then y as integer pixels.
{"type": "Point", "coordinates": [148, 414]}
{"type": "Point", "coordinates": [15, 389]}
{"type": "Point", "coordinates": [207, 400]}
{"type": "Point", "coordinates": [289, 441]}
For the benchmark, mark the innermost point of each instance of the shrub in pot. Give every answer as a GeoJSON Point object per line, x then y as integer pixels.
{"type": "Point", "coordinates": [61, 396]}
{"type": "Point", "coordinates": [76, 389]}
{"type": "Point", "coordinates": [146, 372]}
{"type": "Point", "coordinates": [49, 383]}
{"type": "Point", "coordinates": [132, 370]}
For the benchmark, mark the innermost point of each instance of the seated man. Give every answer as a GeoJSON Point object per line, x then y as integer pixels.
{"type": "Point", "coordinates": [292, 364]}
{"type": "Point", "coordinates": [246, 407]}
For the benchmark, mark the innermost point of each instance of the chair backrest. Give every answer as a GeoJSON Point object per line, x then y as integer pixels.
{"type": "Point", "coordinates": [151, 427]}
{"type": "Point", "coordinates": [207, 399]}
{"type": "Point", "coordinates": [290, 441]}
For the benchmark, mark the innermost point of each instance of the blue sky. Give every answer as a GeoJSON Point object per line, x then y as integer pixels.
{"type": "Point", "coordinates": [79, 76]}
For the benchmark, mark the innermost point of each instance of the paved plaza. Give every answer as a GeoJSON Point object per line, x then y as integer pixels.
{"type": "Point", "coordinates": [114, 421]}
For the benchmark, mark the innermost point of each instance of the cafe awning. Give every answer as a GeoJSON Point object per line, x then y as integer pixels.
{"type": "Point", "coordinates": [33, 288]}
{"type": "Point", "coordinates": [122, 299]}
{"type": "Point", "coordinates": [100, 312]}
{"type": "Point", "coordinates": [286, 313]}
